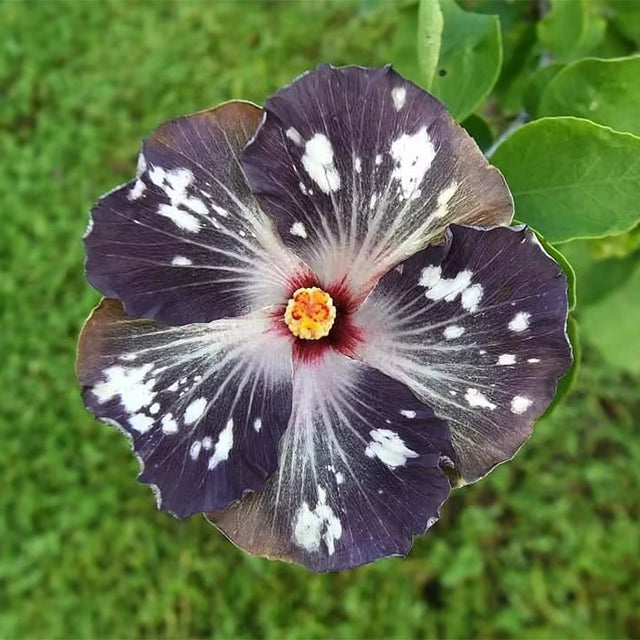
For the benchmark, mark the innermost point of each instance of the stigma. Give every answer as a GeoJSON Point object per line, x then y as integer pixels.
{"type": "Point", "coordinates": [310, 313]}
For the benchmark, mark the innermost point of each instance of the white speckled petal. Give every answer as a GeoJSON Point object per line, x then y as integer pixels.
{"type": "Point", "coordinates": [186, 240]}
{"type": "Point", "coordinates": [359, 472]}
{"type": "Point", "coordinates": [190, 399]}
{"type": "Point", "coordinates": [361, 168]}
{"type": "Point", "coordinates": [476, 328]}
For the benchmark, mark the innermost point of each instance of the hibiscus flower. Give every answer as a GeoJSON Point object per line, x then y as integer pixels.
{"type": "Point", "coordinates": [306, 333]}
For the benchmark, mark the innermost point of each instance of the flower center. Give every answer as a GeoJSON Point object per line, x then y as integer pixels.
{"type": "Point", "coordinates": [310, 313]}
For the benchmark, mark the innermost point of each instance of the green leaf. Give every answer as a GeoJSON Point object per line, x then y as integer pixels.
{"type": "Point", "coordinates": [605, 91]}
{"type": "Point", "coordinates": [612, 324]}
{"type": "Point", "coordinates": [430, 24]}
{"type": "Point", "coordinates": [470, 59]}
{"type": "Point", "coordinates": [571, 178]}
{"type": "Point", "coordinates": [479, 130]}
{"type": "Point", "coordinates": [571, 28]}
{"type": "Point", "coordinates": [536, 84]}
{"type": "Point", "coordinates": [569, 379]}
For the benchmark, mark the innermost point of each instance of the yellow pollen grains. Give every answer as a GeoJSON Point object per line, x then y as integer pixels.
{"type": "Point", "coordinates": [310, 313]}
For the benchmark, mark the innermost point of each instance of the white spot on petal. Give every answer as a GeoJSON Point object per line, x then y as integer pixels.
{"type": "Point", "coordinates": [129, 384]}
{"type": "Point", "coordinates": [179, 217]}
{"type": "Point", "coordinates": [413, 155]}
{"type": "Point", "coordinates": [533, 360]}
{"type": "Point", "coordinates": [257, 424]}
{"type": "Point", "coordinates": [506, 358]}
{"type": "Point", "coordinates": [453, 331]}
{"type": "Point", "coordinates": [378, 160]}
{"type": "Point", "coordinates": [194, 450]}
{"type": "Point", "coordinates": [520, 321]}
{"type": "Point", "coordinates": [298, 229]}
{"type": "Point", "coordinates": [312, 526]}
{"type": "Point", "coordinates": [470, 298]}
{"type": "Point", "coordinates": [168, 423]}
{"type": "Point", "coordinates": [358, 165]}
{"type": "Point", "coordinates": [195, 410]}
{"type": "Point", "coordinates": [398, 95]}
{"type": "Point", "coordinates": [408, 413]}
{"type": "Point", "coordinates": [318, 163]}
{"type": "Point", "coordinates": [519, 404]}
{"type": "Point", "coordinates": [180, 261]}
{"type": "Point", "coordinates": [339, 477]}
{"type": "Point", "coordinates": [207, 443]}
{"type": "Point", "coordinates": [476, 399]}
{"type": "Point", "coordinates": [389, 448]}
{"type": "Point", "coordinates": [140, 422]}
{"type": "Point", "coordinates": [137, 190]}
{"type": "Point", "coordinates": [154, 408]}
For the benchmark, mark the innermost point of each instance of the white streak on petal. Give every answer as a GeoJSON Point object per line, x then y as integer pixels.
{"type": "Point", "coordinates": [294, 136]}
{"type": "Point", "coordinates": [443, 200]}
{"type": "Point", "coordinates": [223, 446]}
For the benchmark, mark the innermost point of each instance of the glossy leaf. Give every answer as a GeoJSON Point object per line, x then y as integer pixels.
{"type": "Point", "coordinates": [571, 178]}
{"type": "Point", "coordinates": [470, 59]}
{"type": "Point", "coordinates": [605, 91]}
{"type": "Point", "coordinates": [430, 24]}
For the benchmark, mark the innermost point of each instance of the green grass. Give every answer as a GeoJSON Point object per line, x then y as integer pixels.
{"type": "Point", "coordinates": [548, 546]}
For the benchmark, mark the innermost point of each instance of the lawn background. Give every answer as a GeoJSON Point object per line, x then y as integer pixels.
{"type": "Point", "coordinates": [548, 546]}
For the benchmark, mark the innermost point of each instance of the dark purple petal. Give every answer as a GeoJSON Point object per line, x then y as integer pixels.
{"type": "Point", "coordinates": [361, 168]}
{"type": "Point", "coordinates": [359, 472]}
{"type": "Point", "coordinates": [477, 329]}
{"type": "Point", "coordinates": [186, 242]}
{"type": "Point", "coordinates": [204, 404]}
